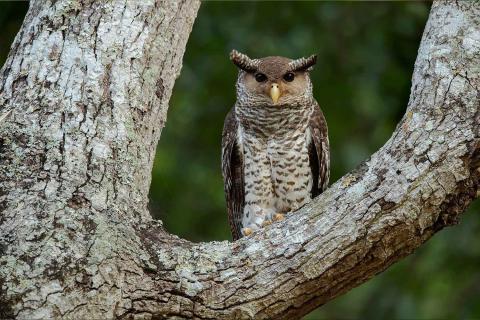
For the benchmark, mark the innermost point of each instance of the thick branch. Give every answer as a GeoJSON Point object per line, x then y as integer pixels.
{"type": "Point", "coordinates": [83, 97]}
{"type": "Point", "coordinates": [77, 241]}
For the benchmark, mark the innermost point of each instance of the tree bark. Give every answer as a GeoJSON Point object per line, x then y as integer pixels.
{"type": "Point", "coordinates": [83, 97]}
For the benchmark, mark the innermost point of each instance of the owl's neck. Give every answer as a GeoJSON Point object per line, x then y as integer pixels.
{"type": "Point", "coordinates": [267, 121]}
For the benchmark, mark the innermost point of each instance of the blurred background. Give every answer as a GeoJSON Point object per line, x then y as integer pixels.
{"type": "Point", "coordinates": [366, 52]}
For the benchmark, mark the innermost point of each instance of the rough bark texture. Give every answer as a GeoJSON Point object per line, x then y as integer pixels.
{"type": "Point", "coordinates": [83, 99]}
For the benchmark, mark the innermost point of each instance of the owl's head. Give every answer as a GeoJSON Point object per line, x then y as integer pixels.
{"type": "Point", "coordinates": [273, 81]}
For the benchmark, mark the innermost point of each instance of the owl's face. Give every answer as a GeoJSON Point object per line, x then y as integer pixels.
{"type": "Point", "coordinates": [273, 81]}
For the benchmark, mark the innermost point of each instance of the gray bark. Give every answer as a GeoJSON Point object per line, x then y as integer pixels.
{"type": "Point", "coordinates": [83, 97]}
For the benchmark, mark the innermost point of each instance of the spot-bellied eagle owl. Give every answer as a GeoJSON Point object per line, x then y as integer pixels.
{"type": "Point", "coordinates": [275, 149]}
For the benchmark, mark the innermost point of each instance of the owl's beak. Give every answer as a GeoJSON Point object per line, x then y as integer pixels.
{"type": "Point", "coordinates": [275, 92]}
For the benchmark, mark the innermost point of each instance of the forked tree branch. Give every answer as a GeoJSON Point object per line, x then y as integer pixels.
{"type": "Point", "coordinates": [87, 84]}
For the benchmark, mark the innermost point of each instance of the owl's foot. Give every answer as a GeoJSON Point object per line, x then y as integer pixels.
{"type": "Point", "coordinates": [278, 217]}
{"type": "Point", "coordinates": [266, 223]}
{"type": "Point", "coordinates": [247, 231]}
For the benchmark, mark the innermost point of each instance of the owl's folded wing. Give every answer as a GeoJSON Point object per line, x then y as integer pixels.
{"type": "Point", "coordinates": [233, 174]}
{"type": "Point", "coordinates": [319, 152]}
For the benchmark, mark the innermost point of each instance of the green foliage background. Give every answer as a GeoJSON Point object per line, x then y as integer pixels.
{"type": "Point", "coordinates": [366, 53]}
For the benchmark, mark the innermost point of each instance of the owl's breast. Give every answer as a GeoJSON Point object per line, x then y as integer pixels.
{"type": "Point", "coordinates": [266, 122]}
{"type": "Point", "coordinates": [277, 169]}
{"type": "Point", "coordinates": [290, 168]}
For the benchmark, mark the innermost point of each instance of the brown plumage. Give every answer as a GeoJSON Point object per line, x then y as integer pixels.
{"type": "Point", "coordinates": [275, 150]}
{"type": "Point", "coordinates": [232, 169]}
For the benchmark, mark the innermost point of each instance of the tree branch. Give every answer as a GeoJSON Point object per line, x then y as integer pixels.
{"type": "Point", "coordinates": [77, 241]}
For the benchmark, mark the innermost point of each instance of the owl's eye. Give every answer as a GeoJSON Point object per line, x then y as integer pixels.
{"type": "Point", "coordinates": [289, 77]}
{"type": "Point", "coordinates": [260, 77]}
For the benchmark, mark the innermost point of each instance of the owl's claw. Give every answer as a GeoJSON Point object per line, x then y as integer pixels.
{"type": "Point", "coordinates": [266, 223]}
{"type": "Point", "coordinates": [278, 217]}
{"type": "Point", "coordinates": [247, 231]}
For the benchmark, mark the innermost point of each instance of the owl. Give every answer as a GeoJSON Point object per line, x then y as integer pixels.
{"type": "Point", "coordinates": [275, 149]}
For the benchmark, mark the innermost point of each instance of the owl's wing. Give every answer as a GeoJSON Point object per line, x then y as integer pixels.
{"type": "Point", "coordinates": [233, 175]}
{"type": "Point", "coordinates": [319, 151]}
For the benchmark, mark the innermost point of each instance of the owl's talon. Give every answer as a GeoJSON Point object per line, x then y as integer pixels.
{"type": "Point", "coordinates": [247, 231]}
{"type": "Point", "coordinates": [278, 217]}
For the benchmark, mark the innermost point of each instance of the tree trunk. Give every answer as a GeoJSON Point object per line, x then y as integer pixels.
{"type": "Point", "coordinates": [83, 97]}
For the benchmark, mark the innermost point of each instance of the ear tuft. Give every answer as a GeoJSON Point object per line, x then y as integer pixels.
{"type": "Point", "coordinates": [243, 61]}
{"type": "Point", "coordinates": [303, 64]}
